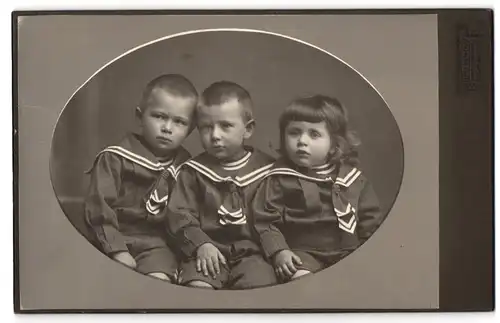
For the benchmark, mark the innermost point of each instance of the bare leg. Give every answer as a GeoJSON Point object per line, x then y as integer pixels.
{"type": "Point", "coordinates": [300, 273]}
{"type": "Point", "coordinates": [199, 284]}
{"type": "Point", "coordinates": [160, 275]}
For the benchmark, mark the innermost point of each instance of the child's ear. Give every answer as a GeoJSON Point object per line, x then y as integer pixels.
{"type": "Point", "coordinates": [138, 113]}
{"type": "Point", "coordinates": [249, 128]}
{"type": "Point", "coordinates": [138, 118]}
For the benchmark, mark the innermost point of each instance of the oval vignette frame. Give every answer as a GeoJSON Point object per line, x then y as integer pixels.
{"type": "Point", "coordinates": [58, 147]}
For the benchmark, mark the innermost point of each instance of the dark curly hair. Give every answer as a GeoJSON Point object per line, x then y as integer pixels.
{"type": "Point", "coordinates": [320, 108]}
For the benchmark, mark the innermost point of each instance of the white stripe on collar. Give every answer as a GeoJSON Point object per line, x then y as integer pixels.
{"type": "Point", "coordinates": [321, 166]}
{"type": "Point", "coordinates": [326, 171]}
{"type": "Point", "coordinates": [346, 181]}
{"type": "Point", "coordinates": [132, 156]}
{"type": "Point", "coordinates": [293, 172]}
{"type": "Point", "coordinates": [238, 163]}
{"type": "Point", "coordinates": [138, 159]}
{"type": "Point", "coordinates": [239, 181]}
{"type": "Point", "coordinates": [236, 214]}
{"type": "Point", "coordinates": [236, 167]}
{"type": "Point", "coordinates": [349, 178]}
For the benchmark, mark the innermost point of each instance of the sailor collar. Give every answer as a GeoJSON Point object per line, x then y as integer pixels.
{"type": "Point", "coordinates": [242, 172]}
{"type": "Point", "coordinates": [132, 149]}
{"type": "Point", "coordinates": [343, 175]}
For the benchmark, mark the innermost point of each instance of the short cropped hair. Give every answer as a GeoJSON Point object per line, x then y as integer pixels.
{"type": "Point", "coordinates": [173, 84]}
{"type": "Point", "coordinates": [223, 91]}
{"type": "Point", "coordinates": [320, 108]}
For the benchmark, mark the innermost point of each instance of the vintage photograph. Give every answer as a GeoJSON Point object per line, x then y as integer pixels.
{"type": "Point", "coordinates": [252, 161]}
{"type": "Point", "coordinates": [227, 159]}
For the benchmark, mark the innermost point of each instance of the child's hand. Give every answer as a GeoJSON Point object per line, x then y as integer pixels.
{"type": "Point", "coordinates": [208, 258]}
{"type": "Point", "coordinates": [125, 258]}
{"type": "Point", "coordinates": [284, 263]}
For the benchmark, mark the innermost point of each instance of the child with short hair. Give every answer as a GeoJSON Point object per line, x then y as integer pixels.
{"type": "Point", "coordinates": [315, 206]}
{"type": "Point", "coordinates": [208, 210]}
{"type": "Point", "coordinates": [130, 182]}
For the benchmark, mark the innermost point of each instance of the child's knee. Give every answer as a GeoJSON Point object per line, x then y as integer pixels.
{"type": "Point", "coordinates": [300, 273]}
{"type": "Point", "coordinates": [252, 272]}
{"type": "Point", "coordinates": [199, 284]}
{"type": "Point", "coordinates": [160, 275]}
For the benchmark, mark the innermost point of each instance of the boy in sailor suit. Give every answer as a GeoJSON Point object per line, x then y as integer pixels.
{"type": "Point", "coordinates": [130, 182]}
{"type": "Point", "coordinates": [315, 206]}
{"type": "Point", "coordinates": [208, 210]}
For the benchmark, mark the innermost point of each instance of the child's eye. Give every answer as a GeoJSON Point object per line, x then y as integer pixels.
{"type": "Point", "coordinates": [160, 116]}
{"type": "Point", "coordinates": [315, 134]}
{"type": "Point", "coordinates": [226, 125]}
{"type": "Point", "coordinates": [293, 132]}
{"type": "Point", "coordinates": [180, 122]}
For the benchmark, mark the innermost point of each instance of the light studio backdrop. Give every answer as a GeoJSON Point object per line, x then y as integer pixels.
{"type": "Point", "coordinates": [273, 69]}
{"type": "Point", "coordinates": [396, 268]}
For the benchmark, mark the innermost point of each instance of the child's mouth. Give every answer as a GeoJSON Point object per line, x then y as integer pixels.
{"type": "Point", "coordinates": [302, 153]}
{"type": "Point", "coordinates": [164, 140]}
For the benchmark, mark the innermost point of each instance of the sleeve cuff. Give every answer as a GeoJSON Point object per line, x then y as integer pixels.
{"type": "Point", "coordinates": [272, 242]}
{"type": "Point", "coordinates": [111, 240]}
{"type": "Point", "coordinates": [193, 237]}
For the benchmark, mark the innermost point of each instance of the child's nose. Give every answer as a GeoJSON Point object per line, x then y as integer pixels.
{"type": "Point", "coordinates": [167, 126]}
{"type": "Point", "coordinates": [302, 140]}
{"type": "Point", "coordinates": [216, 133]}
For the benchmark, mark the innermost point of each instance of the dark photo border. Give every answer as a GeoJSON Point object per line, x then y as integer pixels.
{"type": "Point", "coordinates": [466, 190]}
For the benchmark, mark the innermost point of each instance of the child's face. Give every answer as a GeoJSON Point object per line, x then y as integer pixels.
{"type": "Point", "coordinates": [167, 123]}
{"type": "Point", "coordinates": [307, 144]}
{"type": "Point", "coordinates": [223, 130]}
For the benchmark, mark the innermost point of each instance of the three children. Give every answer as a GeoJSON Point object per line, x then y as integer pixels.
{"type": "Point", "coordinates": [231, 217]}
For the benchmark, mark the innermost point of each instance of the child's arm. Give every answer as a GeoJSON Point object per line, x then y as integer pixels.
{"type": "Point", "coordinates": [182, 214]}
{"type": "Point", "coordinates": [267, 208]}
{"type": "Point", "coordinates": [369, 213]}
{"type": "Point", "coordinates": [104, 185]}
